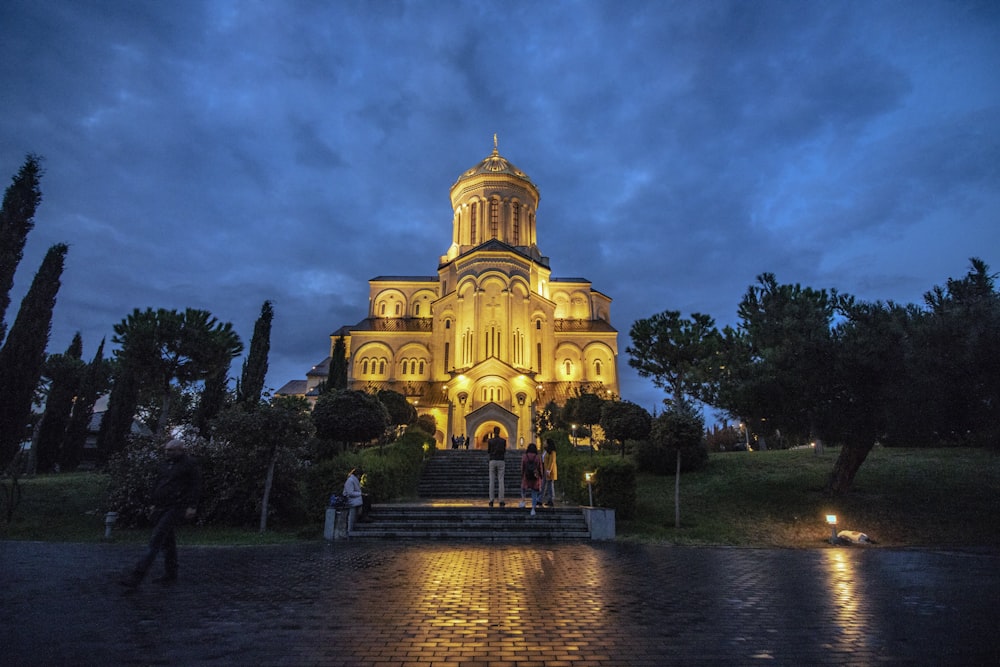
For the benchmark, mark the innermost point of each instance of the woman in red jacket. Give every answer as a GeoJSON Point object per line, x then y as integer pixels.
{"type": "Point", "coordinates": [532, 474]}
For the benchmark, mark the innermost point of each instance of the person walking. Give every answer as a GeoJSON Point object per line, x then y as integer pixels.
{"type": "Point", "coordinates": [532, 474]}
{"type": "Point", "coordinates": [497, 450]}
{"type": "Point", "coordinates": [551, 473]}
{"type": "Point", "coordinates": [174, 497]}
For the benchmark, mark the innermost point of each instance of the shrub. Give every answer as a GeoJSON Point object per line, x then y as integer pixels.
{"type": "Point", "coordinates": [613, 481]}
{"type": "Point", "coordinates": [232, 482]}
{"type": "Point", "coordinates": [675, 430]}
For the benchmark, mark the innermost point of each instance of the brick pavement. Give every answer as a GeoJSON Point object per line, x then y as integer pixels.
{"type": "Point", "coordinates": [462, 605]}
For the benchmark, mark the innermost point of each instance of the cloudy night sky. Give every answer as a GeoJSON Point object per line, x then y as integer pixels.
{"type": "Point", "coordinates": [216, 154]}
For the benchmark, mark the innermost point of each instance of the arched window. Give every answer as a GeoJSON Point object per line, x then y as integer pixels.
{"type": "Point", "coordinates": [406, 365]}
{"type": "Point", "coordinates": [447, 324]}
{"type": "Point", "coordinates": [597, 368]}
{"type": "Point", "coordinates": [515, 214]}
{"type": "Point", "coordinates": [422, 367]}
{"type": "Point", "coordinates": [416, 310]}
{"type": "Point", "coordinates": [381, 367]}
{"type": "Point", "coordinates": [568, 367]}
{"type": "Point", "coordinates": [473, 210]}
{"type": "Point", "coordinates": [364, 367]}
{"type": "Point", "coordinates": [398, 308]}
{"type": "Point", "coordinates": [382, 309]}
{"type": "Point", "coordinates": [494, 218]}
{"type": "Point", "coordinates": [538, 325]}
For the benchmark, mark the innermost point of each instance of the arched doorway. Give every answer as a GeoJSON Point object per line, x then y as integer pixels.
{"type": "Point", "coordinates": [479, 425]}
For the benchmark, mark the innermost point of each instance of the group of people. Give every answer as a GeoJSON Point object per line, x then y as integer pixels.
{"type": "Point", "coordinates": [176, 491]}
{"type": "Point", "coordinates": [458, 441]}
{"type": "Point", "coordinates": [539, 472]}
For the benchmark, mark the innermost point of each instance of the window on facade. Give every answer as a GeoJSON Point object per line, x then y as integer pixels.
{"type": "Point", "coordinates": [447, 349]}
{"type": "Point", "coordinates": [381, 367]}
{"type": "Point", "coordinates": [447, 324]}
{"type": "Point", "coordinates": [398, 308]}
{"type": "Point", "coordinates": [538, 325]}
{"type": "Point", "coordinates": [568, 367]}
{"type": "Point", "coordinates": [473, 210]}
{"type": "Point", "coordinates": [406, 366]}
{"type": "Point", "coordinates": [421, 371]}
{"type": "Point", "coordinates": [382, 309]}
{"type": "Point", "coordinates": [494, 218]}
{"type": "Point", "coordinates": [516, 222]}
{"type": "Point", "coordinates": [364, 367]}
{"type": "Point", "coordinates": [416, 310]}
{"type": "Point", "coordinates": [597, 368]}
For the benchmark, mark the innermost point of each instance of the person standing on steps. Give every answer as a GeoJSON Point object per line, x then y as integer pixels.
{"type": "Point", "coordinates": [532, 475]}
{"type": "Point", "coordinates": [497, 449]}
{"type": "Point", "coordinates": [551, 473]}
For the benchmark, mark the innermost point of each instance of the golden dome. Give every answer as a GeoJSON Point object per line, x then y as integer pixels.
{"type": "Point", "coordinates": [495, 164]}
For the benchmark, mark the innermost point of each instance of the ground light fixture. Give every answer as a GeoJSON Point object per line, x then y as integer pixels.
{"type": "Point", "coordinates": [589, 477]}
{"type": "Point", "coordinates": [831, 520]}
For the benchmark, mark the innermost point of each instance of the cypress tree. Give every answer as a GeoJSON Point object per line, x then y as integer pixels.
{"type": "Point", "coordinates": [211, 401]}
{"type": "Point", "coordinates": [117, 421]}
{"type": "Point", "coordinates": [94, 382]}
{"type": "Point", "coordinates": [23, 353]}
{"type": "Point", "coordinates": [17, 217]}
{"type": "Point", "coordinates": [251, 384]}
{"type": "Point", "coordinates": [64, 372]}
{"type": "Point", "coordinates": [337, 377]}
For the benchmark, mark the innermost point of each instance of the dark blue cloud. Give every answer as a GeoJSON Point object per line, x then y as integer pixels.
{"type": "Point", "coordinates": [218, 154]}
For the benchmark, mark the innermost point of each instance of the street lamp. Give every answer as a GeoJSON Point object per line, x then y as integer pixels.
{"type": "Point", "coordinates": [831, 519]}
{"type": "Point", "coordinates": [574, 435]}
{"type": "Point", "coordinates": [589, 476]}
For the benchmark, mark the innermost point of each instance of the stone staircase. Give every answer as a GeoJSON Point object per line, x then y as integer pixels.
{"type": "Point", "coordinates": [460, 473]}
{"type": "Point", "coordinates": [454, 491]}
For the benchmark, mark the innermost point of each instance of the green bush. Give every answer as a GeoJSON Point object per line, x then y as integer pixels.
{"type": "Point", "coordinates": [613, 481]}
{"type": "Point", "coordinates": [391, 472]}
{"type": "Point", "coordinates": [232, 483]}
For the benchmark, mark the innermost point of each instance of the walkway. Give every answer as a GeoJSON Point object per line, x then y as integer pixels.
{"type": "Point", "coordinates": [454, 605]}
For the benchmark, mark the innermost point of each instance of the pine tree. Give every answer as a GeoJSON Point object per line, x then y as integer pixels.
{"type": "Point", "coordinates": [64, 372]}
{"type": "Point", "coordinates": [23, 353]}
{"type": "Point", "coordinates": [251, 384]}
{"type": "Point", "coordinates": [17, 217]}
{"type": "Point", "coordinates": [96, 377]}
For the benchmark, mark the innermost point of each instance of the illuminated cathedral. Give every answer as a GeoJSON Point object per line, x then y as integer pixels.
{"type": "Point", "coordinates": [494, 336]}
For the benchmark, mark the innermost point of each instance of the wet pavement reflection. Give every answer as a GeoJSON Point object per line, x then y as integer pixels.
{"type": "Point", "coordinates": [451, 604]}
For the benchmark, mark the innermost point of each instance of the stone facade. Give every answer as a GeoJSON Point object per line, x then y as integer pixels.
{"type": "Point", "coordinates": [493, 337]}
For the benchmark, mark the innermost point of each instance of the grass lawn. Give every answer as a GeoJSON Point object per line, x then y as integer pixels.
{"type": "Point", "coordinates": [901, 497]}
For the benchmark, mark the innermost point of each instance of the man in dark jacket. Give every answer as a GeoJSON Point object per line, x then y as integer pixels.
{"type": "Point", "coordinates": [174, 497]}
{"type": "Point", "coordinates": [497, 448]}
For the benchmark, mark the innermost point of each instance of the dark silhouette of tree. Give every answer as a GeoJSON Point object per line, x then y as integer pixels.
{"type": "Point", "coordinates": [95, 380]}
{"type": "Point", "coordinates": [23, 353]}
{"type": "Point", "coordinates": [337, 376]}
{"type": "Point", "coordinates": [159, 348]}
{"type": "Point", "coordinates": [120, 413]}
{"type": "Point", "coordinates": [262, 436]}
{"type": "Point", "coordinates": [624, 420]}
{"type": "Point", "coordinates": [401, 412]}
{"type": "Point", "coordinates": [777, 365]}
{"type": "Point", "coordinates": [251, 384]}
{"type": "Point", "coordinates": [211, 401]}
{"type": "Point", "coordinates": [17, 218]}
{"type": "Point", "coordinates": [679, 354]}
{"type": "Point", "coordinates": [63, 372]}
{"type": "Point", "coordinates": [349, 416]}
